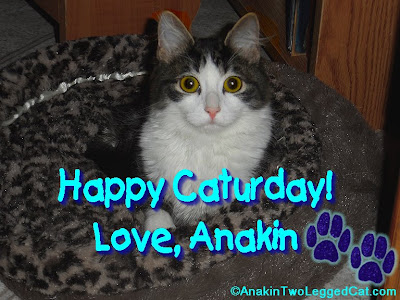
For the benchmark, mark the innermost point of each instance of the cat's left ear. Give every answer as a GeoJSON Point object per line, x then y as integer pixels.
{"type": "Point", "coordinates": [173, 37]}
{"type": "Point", "coordinates": [244, 38]}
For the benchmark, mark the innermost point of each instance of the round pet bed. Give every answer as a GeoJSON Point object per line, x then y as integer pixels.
{"type": "Point", "coordinates": [50, 247]}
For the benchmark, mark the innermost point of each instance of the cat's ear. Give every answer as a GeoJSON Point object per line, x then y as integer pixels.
{"type": "Point", "coordinates": [173, 37]}
{"type": "Point", "coordinates": [244, 38]}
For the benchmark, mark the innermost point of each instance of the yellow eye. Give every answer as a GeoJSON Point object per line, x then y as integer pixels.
{"type": "Point", "coordinates": [232, 84]}
{"type": "Point", "coordinates": [189, 84]}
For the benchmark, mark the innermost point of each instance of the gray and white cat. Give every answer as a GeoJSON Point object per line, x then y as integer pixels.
{"type": "Point", "coordinates": [209, 109]}
{"type": "Point", "coordinates": [215, 112]}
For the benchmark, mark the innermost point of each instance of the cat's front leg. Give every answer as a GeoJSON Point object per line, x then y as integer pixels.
{"type": "Point", "coordinates": [158, 219]}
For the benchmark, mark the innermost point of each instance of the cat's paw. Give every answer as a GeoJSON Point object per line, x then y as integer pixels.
{"type": "Point", "coordinates": [158, 219]}
{"type": "Point", "coordinates": [374, 260]}
{"type": "Point", "coordinates": [328, 240]}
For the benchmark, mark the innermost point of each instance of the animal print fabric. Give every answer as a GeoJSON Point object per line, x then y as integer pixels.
{"type": "Point", "coordinates": [51, 247]}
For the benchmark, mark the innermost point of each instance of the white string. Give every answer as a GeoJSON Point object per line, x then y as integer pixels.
{"type": "Point", "coordinates": [63, 87]}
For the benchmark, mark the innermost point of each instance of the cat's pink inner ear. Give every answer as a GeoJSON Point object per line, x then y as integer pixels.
{"type": "Point", "coordinates": [244, 38]}
{"type": "Point", "coordinates": [173, 37]}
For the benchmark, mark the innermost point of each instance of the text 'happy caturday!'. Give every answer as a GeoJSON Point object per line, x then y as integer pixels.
{"type": "Point", "coordinates": [217, 191]}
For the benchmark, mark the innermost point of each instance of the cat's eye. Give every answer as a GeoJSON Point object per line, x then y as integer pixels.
{"type": "Point", "coordinates": [189, 84]}
{"type": "Point", "coordinates": [232, 84]}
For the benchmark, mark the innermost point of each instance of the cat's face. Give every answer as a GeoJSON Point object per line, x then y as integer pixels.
{"type": "Point", "coordinates": [210, 83]}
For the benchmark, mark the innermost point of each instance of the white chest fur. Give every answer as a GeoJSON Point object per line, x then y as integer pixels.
{"type": "Point", "coordinates": [169, 144]}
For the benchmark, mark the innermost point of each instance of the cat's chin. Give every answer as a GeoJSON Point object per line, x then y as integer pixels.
{"type": "Point", "coordinates": [212, 127]}
{"type": "Point", "coordinates": [206, 125]}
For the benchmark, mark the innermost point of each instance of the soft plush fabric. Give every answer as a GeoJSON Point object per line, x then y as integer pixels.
{"type": "Point", "coordinates": [50, 247]}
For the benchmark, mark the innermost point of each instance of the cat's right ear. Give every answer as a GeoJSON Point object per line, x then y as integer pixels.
{"type": "Point", "coordinates": [173, 37]}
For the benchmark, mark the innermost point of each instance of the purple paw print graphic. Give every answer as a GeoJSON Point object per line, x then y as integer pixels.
{"type": "Point", "coordinates": [373, 259]}
{"type": "Point", "coordinates": [328, 239]}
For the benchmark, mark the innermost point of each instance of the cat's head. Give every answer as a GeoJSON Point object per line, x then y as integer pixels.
{"type": "Point", "coordinates": [210, 83]}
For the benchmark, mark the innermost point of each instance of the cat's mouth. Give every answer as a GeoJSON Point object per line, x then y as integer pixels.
{"type": "Point", "coordinates": [212, 125]}
{"type": "Point", "coordinates": [203, 121]}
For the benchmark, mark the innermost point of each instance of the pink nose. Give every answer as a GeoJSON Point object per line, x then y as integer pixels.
{"type": "Point", "coordinates": [212, 111]}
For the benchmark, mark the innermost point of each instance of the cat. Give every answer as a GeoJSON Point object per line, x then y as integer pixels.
{"type": "Point", "coordinates": [209, 109]}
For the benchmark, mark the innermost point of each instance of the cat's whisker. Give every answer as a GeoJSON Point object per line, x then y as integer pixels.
{"type": "Point", "coordinates": [235, 54]}
{"type": "Point", "coordinates": [191, 60]}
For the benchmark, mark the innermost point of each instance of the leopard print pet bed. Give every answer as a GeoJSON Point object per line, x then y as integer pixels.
{"type": "Point", "coordinates": [51, 247]}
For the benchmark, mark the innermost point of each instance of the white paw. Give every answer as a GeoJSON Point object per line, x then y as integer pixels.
{"type": "Point", "coordinates": [158, 219]}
